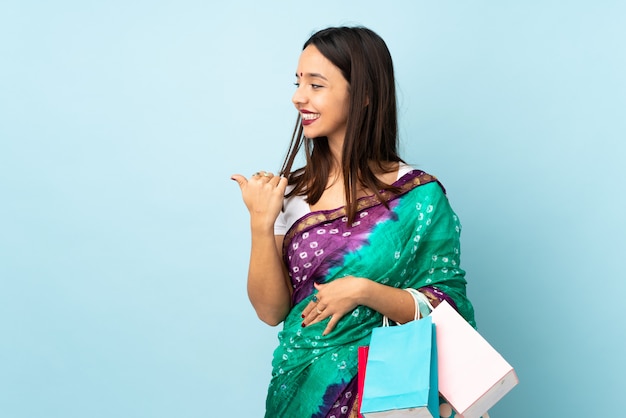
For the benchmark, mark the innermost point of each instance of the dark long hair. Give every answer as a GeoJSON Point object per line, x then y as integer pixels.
{"type": "Point", "coordinates": [372, 127]}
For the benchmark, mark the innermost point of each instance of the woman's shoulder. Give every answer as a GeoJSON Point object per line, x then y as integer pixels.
{"type": "Point", "coordinates": [408, 171]}
{"type": "Point", "coordinates": [420, 184]}
{"type": "Point", "coordinates": [403, 169]}
{"type": "Point", "coordinates": [294, 208]}
{"type": "Point", "coordinates": [409, 174]}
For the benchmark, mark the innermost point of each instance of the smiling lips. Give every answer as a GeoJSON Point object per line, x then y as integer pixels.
{"type": "Point", "coordinates": [308, 117]}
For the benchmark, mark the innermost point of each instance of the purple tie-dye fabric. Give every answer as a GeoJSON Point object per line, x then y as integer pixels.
{"type": "Point", "coordinates": [313, 252]}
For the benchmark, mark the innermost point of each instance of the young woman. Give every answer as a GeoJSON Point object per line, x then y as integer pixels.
{"type": "Point", "coordinates": [336, 242]}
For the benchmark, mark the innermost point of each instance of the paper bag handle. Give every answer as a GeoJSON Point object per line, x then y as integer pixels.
{"type": "Point", "coordinates": [418, 297]}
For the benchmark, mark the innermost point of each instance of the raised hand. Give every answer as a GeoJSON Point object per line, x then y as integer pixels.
{"type": "Point", "coordinates": [263, 195]}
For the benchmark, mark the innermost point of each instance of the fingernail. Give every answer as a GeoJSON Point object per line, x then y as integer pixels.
{"type": "Point", "coordinates": [303, 325]}
{"type": "Point", "coordinates": [302, 315]}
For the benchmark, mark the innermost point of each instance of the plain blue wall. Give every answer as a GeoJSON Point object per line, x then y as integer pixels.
{"type": "Point", "coordinates": [124, 244]}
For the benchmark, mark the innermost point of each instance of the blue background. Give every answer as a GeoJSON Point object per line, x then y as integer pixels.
{"type": "Point", "coordinates": [124, 245]}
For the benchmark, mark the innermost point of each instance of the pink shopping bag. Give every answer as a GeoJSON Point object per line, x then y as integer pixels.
{"type": "Point", "coordinates": [473, 376]}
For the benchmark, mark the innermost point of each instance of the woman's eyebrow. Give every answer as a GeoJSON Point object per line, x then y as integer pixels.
{"type": "Point", "coordinates": [311, 75]}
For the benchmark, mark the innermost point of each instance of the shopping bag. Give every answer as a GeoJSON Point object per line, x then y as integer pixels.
{"type": "Point", "coordinates": [361, 376]}
{"type": "Point", "coordinates": [401, 372]}
{"type": "Point", "coordinates": [473, 376]}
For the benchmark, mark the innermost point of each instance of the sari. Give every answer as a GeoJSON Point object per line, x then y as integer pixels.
{"type": "Point", "coordinates": [412, 243]}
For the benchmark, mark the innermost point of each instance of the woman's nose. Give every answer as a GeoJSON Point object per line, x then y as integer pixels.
{"type": "Point", "coordinates": [298, 97]}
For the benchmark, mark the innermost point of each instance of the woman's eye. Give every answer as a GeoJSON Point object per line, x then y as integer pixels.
{"type": "Point", "coordinates": [313, 86]}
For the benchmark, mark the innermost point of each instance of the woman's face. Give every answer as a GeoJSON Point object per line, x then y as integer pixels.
{"type": "Point", "coordinates": [321, 97]}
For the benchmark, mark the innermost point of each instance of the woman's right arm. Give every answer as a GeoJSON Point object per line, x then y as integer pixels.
{"type": "Point", "coordinates": [268, 287]}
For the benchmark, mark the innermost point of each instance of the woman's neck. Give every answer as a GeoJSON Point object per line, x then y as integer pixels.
{"type": "Point", "coordinates": [335, 145]}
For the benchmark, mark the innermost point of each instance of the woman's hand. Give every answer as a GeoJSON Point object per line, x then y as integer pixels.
{"type": "Point", "coordinates": [333, 300]}
{"type": "Point", "coordinates": [263, 195]}
{"type": "Point", "coordinates": [269, 289]}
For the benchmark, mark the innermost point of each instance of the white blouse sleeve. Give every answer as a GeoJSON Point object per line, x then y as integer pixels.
{"type": "Point", "coordinates": [294, 208]}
